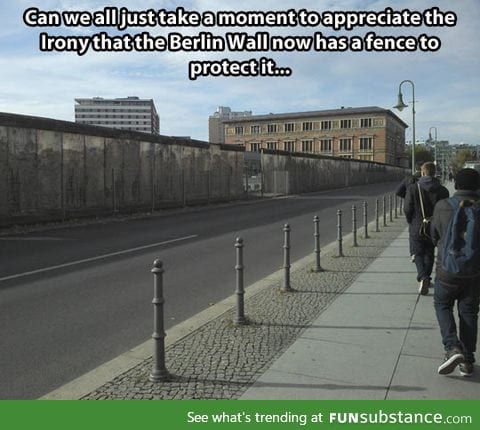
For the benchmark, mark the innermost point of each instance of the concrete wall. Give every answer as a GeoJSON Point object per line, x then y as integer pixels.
{"type": "Point", "coordinates": [54, 169]}
{"type": "Point", "coordinates": [286, 173]}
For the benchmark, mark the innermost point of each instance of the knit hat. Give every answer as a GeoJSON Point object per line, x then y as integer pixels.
{"type": "Point", "coordinates": [467, 179]}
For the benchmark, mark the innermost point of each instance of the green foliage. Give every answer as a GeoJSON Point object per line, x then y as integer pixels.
{"type": "Point", "coordinates": [461, 156]}
{"type": "Point", "coordinates": [422, 153]}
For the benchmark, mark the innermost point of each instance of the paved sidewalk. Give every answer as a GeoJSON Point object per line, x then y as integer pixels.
{"type": "Point", "coordinates": [378, 340]}
{"type": "Point", "coordinates": [359, 330]}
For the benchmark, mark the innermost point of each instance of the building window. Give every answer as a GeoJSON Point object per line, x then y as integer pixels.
{"type": "Point", "coordinates": [366, 122]}
{"type": "Point", "coordinates": [289, 145]}
{"type": "Point", "coordinates": [272, 128]}
{"type": "Point", "coordinates": [307, 145]}
{"type": "Point", "coordinates": [289, 127]}
{"type": "Point", "coordinates": [346, 123]}
{"type": "Point", "coordinates": [326, 125]}
{"type": "Point", "coordinates": [326, 145]}
{"type": "Point", "coordinates": [366, 144]}
{"type": "Point", "coordinates": [307, 126]}
{"type": "Point", "coordinates": [272, 145]}
{"type": "Point", "coordinates": [239, 129]}
{"type": "Point", "coordinates": [255, 147]}
{"type": "Point", "coordinates": [345, 145]}
{"type": "Point", "coordinates": [255, 129]}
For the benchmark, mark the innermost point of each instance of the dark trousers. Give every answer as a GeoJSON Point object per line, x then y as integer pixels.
{"type": "Point", "coordinates": [410, 240]}
{"type": "Point", "coordinates": [466, 292]}
{"type": "Point", "coordinates": [424, 252]}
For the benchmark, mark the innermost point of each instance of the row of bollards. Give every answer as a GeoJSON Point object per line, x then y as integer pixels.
{"type": "Point", "coordinates": [159, 371]}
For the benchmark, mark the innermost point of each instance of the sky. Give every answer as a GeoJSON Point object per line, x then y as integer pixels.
{"type": "Point", "coordinates": [447, 82]}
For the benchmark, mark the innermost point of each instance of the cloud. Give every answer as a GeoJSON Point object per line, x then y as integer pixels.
{"type": "Point", "coordinates": [446, 82]}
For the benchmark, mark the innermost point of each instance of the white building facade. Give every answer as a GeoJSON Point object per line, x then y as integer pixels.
{"type": "Point", "coordinates": [129, 113]}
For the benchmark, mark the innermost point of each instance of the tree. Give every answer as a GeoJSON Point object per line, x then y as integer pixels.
{"type": "Point", "coordinates": [461, 156]}
{"type": "Point", "coordinates": [422, 154]}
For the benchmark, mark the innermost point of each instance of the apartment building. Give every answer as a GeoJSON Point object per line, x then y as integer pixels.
{"type": "Point", "coordinates": [216, 129]}
{"type": "Point", "coordinates": [130, 113]}
{"type": "Point", "coordinates": [365, 133]}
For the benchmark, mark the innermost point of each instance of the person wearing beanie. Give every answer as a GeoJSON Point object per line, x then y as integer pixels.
{"type": "Point", "coordinates": [422, 246]}
{"type": "Point", "coordinates": [450, 288]}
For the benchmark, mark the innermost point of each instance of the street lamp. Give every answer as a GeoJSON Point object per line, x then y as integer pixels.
{"type": "Point", "coordinates": [400, 106]}
{"type": "Point", "coordinates": [435, 144]}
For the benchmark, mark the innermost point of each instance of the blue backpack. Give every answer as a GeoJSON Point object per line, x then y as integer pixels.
{"type": "Point", "coordinates": [461, 252]}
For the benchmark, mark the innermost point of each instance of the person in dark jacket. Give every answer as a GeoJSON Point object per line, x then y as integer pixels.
{"type": "Point", "coordinates": [400, 191]}
{"type": "Point", "coordinates": [423, 247]}
{"type": "Point", "coordinates": [450, 288]}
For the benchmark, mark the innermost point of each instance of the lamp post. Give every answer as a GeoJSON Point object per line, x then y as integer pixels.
{"type": "Point", "coordinates": [400, 106]}
{"type": "Point", "coordinates": [435, 144]}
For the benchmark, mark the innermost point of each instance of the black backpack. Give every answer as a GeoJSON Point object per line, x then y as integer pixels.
{"type": "Point", "coordinates": [461, 249]}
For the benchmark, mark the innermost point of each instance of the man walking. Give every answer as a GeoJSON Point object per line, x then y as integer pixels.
{"type": "Point", "coordinates": [420, 200]}
{"type": "Point", "coordinates": [400, 191]}
{"type": "Point", "coordinates": [459, 281]}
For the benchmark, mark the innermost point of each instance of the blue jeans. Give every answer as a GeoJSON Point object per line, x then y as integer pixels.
{"type": "Point", "coordinates": [466, 292]}
{"type": "Point", "coordinates": [424, 252]}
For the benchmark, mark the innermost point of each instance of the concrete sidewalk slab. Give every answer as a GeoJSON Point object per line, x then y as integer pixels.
{"type": "Point", "coordinates": [378, 340]}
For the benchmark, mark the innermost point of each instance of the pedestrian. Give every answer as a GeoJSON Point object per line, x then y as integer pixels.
{"type": "Point", "coordinates": [459, 284]}
{"type": "Point", "coordinates": [400, 191]}
{"type": "Point", "coordinates": [420, 200]}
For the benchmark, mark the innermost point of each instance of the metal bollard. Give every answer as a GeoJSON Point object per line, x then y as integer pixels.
{"type": "Point", "coordinates": [316, 235]}
{"type": "Point", "coordinates": [390, 207]}
{"type": "Point", "coordinates": [286, 259]}
{"type": "Point", "coordinates": [401, 205]}
{"type": "Point", "coordinates": [396, 206]}
{"type": "Point", "coordinates": [365, 220]}
{"type": "Point", "coordinates": [240, 290]}
{"type": "Point", "coordinates": [376, 216]}
{"type": "Point", "coordinates": [354, 225]}
{"type": "Point", "coordinates": [339, 233]}
{"type": "Point", "coordinates": [159, 372]}
{"type": "Point", "coordinates": [384, 211]}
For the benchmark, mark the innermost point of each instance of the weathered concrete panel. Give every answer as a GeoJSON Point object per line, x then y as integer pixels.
{"type": "Point", "coordinates": [49, 185]}
{"type": "Point", "coordinates": [22, 176]}
{"type": "Point", "coordinates": [130, 173]}
{"type": "Point", "coordinates": [95, 172]}
{"type": "Point", "coordinates": [146, 155]}
{"type": "Point", "coordinates": [74, 171]}
{"type": "Point", "coordinates": [4, 171]}
{"type": "Point", "coordinates": [168, 173]}
{"type": "Point", "coordinates": [114, 182]}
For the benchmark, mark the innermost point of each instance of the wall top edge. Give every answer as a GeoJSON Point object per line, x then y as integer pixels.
{"type": "Point", "coordinates": [41, 123]}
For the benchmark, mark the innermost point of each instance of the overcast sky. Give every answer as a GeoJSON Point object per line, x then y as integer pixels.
{"type": "Point", "coordinates": [447, 82]}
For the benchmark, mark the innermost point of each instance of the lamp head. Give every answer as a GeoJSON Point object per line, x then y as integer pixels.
{"type": "Point", "coordinates": [400, 104]}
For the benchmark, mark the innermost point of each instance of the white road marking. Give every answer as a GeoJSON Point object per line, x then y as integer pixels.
{"type": "Point", "coordinates": [99, 257]}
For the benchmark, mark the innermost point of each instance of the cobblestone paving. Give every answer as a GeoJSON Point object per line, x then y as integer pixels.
{"type": "Point", "coordinates": [221, 360]}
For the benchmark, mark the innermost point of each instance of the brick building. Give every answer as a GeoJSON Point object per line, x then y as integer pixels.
{"type": "Point", "coordinates": [366, 133]}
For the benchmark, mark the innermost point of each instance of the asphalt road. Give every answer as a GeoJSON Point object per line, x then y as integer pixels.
{"type": "Point", "coordinates": [73, 298]}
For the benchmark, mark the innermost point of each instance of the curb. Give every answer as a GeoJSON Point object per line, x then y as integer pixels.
{"type": "Point", "coordinates": [94, 379]}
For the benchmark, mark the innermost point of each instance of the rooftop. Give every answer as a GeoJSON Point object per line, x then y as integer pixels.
{"type": "Point", "coordinates": [322, 113]}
